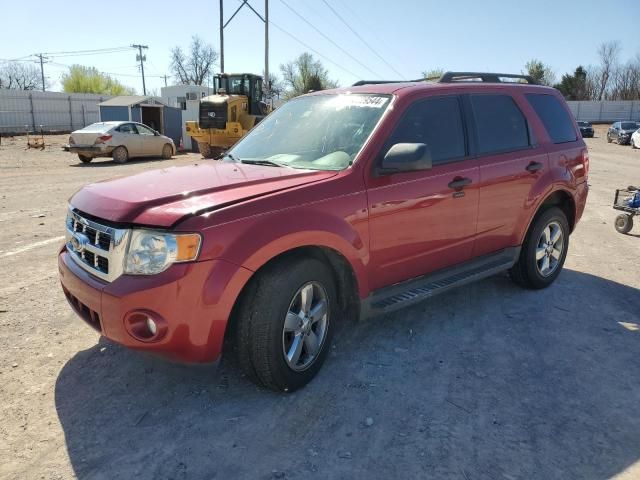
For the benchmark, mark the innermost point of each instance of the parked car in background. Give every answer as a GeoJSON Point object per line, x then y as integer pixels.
{"type": "Point", "coordinates": [621, 132]}
{"type": "Point", "coordinates": [635, 139]}
{"type": "Point", "coordinates": [586, 129]}
{"type": "Point", "coordinates": [119, 140]}
{"type": "Point", "coordinates": [340, 204]}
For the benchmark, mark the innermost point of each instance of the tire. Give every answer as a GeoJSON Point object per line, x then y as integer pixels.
{"type": "Point", "coordinates": [167, 151]}
{"type": "Point", "coordinates": [609, 139]}
{"type": "Point", "coordinates": [633, 144]}
{"type": "Point", "coordinates": [271, 322]}
{"type": "Point", "coordinates": [205, 149]}
{"type": "Point", "coordinates": [84, 158]}
{"type": "Point", "coordinates": [529, 271]}
{"type": "Point", "coordinates": [120, 154]}
{"type": "Point", "coordinates": [623, 223]}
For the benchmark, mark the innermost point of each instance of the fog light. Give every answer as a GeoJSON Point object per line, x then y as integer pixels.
{"type": "Point", "coordinates": [151, 325]}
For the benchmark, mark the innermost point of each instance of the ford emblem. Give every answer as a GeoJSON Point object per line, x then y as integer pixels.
{"type": "Point", "coordinates": [212, 114]}
{"type": "Point", "coordinates": [78, 242]}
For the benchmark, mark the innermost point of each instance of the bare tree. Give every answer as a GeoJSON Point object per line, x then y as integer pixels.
{"type": "Point", "coordinates": [195, 67]}
{"type": "Point", "coordinates": [625, 84]}
{"type": "Point", "coordinates": [19, 76]}
{"type": "Point", "coordinates": [303, 74]}
{"type": "Point", "coordinates": [608, 52]}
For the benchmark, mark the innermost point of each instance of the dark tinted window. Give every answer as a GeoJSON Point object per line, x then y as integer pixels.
{"type": "Point", "coordinates": [436, 122]}
{"type": "Point", "coordinates": [500, 124]}
{"type": "Point", "coordinates": [554, 116]}
{"type": "Point", "coordinates": [629, 125]}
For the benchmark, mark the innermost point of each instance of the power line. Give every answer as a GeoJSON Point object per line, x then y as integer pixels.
{"type": "Point", "coordinates": [362, 39]}
{"type": "Point", "coordinates": [329, 39]}
{"type": "Point", "coordinates": [96, 51]}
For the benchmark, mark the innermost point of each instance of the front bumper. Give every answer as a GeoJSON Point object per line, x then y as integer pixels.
{"type": "Point", "coordinates": [587, 133]}
{"type": "Point", "coordinates": [192, 300]}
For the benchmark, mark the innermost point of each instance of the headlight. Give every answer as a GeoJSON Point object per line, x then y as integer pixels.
{"type": "Point", "coordinates": [152, 252]}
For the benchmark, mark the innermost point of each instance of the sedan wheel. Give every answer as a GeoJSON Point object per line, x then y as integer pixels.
{"type": "Point", "coordinates": [167, 151]}
{"type": "Point", "coordinates": [120, 154]}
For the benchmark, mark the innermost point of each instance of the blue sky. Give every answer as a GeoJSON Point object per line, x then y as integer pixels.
{"type": "Point", "coordinates": [412, 35]}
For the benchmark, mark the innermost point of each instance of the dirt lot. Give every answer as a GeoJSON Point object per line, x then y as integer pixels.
{"type": "Point", "coordinates": [486, 382]}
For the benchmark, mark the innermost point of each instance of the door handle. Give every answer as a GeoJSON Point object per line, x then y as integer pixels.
{"type": "Point", "coordinates": [458, 183]}
{"type": "Point", "coordinates": [534, 167]}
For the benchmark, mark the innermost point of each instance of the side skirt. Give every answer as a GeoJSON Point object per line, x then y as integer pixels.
{"type": "Point", "coordinates": [407, 293]}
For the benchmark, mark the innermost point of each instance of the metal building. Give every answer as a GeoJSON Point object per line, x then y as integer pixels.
{"type": "Point", "coordinates": [148, 110]}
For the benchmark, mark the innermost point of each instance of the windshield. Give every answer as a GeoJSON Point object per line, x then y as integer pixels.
{"type": "Point", "coordinates": [628, 125]}
{"type": "Point", "coordinates": [320, 132]}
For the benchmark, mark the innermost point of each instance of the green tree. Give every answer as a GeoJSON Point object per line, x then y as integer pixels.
{"type": "Point", "coordinates": [303, 74]}
{"type": "Point", "coordinates": [432, 74]}
{"type": "Point", "coordinates": [574, 86]}
{"type": "Point", "coordinates": [81, 79]}
{"type": "Point", "coordinates": [540, 72]}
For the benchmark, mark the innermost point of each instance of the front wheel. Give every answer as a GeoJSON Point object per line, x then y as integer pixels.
{"type": "Point", "coordinates": [167, 152]}
{"type": "Point", "coordinates": [120, 155]}
{"type": "Point", "coordinates": [544, 250]}
{"type": "Point", "coordinates": [624, 223]}
{"type": "Point", "coordinates": [285, 323]}
{"type": "Point", "coordinates": [633, 143]}
{"type": "Point", "coordinates": [608, 138]}
{"type": "Point", "coordinates": [84, 158]}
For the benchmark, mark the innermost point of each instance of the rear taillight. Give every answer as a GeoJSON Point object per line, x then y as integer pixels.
{"type": "Point", "coordinates": [103, 138]}
{"type": "Point", "coordinates": [585, 162]}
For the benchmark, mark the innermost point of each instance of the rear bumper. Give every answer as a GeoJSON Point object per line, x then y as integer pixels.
{"type": "Point", "coordinates": [192, 303]}
{"type": "Point", "coordinates": [89, 151]}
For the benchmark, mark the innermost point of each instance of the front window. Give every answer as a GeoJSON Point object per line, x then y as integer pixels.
{"type": "Point", "coordinates": [320, 132]}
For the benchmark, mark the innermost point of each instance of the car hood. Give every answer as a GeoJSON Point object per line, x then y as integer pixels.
{"type": "Point", "coordinates": [162, 197]}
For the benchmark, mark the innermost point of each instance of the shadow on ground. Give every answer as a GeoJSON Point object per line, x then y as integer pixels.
{"type": "Point", "coordinates": [486, 382]}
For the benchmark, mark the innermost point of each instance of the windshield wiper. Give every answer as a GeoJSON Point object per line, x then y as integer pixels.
{"type": "Point", "coordinates": [231, 156]}
{"type": "Point", "coordinates": [268, 163]}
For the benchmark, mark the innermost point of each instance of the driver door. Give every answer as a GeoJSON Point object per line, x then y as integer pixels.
{"type": "Point", "coordinates": [419, 221]}
{"type": "Point", "coordinates": [150, 142]}
{"type": "Point", "coordinates": [128, 136]}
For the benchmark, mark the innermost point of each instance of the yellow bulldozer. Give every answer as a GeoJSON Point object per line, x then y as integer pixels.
{"type": "Point", "coordinates": [226, 116]}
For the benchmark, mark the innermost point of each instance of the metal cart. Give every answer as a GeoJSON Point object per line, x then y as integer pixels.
{"type": "Point", "coordinates": [627, 200]}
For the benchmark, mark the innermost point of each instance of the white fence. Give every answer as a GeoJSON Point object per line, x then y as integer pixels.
{"type": "Point", "coordinates": [605, 111]}
{"type": "Point", "coordinates": [49, 111]}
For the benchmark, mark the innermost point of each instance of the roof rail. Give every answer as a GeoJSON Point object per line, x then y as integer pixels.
{"type": "Point", "coordinates": [451, 77]}
{"type": "Point", "coordinates": [380, 82]}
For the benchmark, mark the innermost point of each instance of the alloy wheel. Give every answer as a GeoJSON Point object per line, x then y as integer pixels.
{"type": "Point", "coordinates": [305, 326]}
{"type": "Point", "coordinates": [549, 249]}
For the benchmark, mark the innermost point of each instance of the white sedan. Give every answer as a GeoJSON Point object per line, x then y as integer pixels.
{"type": "Point", "coordinates": [119, 140]}
{"type": "Point", "coordinates": [635, 139]}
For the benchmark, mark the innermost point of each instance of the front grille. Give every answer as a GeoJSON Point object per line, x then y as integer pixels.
{"type": "Point", "coordinates": [90, 316]}
{"type": "Point", "coordinates": [96, 247]}
{"type": "Point", "coordinates": [213, 115]}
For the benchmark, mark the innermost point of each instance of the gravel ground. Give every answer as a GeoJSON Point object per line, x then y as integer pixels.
{"type": "Point", "coordinates": [485, 382]}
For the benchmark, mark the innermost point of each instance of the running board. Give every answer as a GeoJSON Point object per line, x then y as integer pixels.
{"type": "Point", "coordinates": [407, 293]}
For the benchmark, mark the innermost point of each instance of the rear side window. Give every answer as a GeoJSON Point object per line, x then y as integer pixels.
{"type": "Point", "coordinates": [436, 122]}
{"type": "Point", "coordinates": [554, 116]}
{"type": "Point", "coordinates": [500, 125]}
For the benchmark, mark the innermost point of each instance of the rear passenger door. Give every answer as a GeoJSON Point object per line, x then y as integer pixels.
{"type": "Point", "coordinates": [510, 165]}
{"type": "Point", "coordinates": [419, 221]}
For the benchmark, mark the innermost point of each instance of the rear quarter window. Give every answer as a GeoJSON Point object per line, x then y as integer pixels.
{"type": "Point", "coordinates": [554, 116]}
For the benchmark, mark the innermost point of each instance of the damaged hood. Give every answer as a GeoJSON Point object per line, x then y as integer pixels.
{"type": "Point", "coordinates": [162, 197]}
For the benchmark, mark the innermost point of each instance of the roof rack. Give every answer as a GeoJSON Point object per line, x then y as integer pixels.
{"type": "Point", "coordinates": [452, 77]}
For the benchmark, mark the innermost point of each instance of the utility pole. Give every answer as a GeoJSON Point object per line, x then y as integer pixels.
{"type": "Point", "coordinates": [165, 80]}
{"type": "Point", "coordinates": [142, 58]}
{"type": "Point", "coordinates": [42, 59]}
{"type": "Point", "coordinates": [265, 19]}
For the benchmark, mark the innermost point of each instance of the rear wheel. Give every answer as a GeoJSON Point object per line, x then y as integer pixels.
{"type": "Point", "coordinates": [544, 250]}
{"type": "Point", "coordinates": [624, 223]}
{"type": "Point", "coordinates": [85, 158]}
{"type": "Point", "coordinates": [167, 152]}
{"type": "Point", "coordinates": [120, 154]}
{"type": "Point", "coordinates": [285, 324]}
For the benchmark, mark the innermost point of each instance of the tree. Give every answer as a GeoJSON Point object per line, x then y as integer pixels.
{"type": "Point", "coordinates": [608, 53]}
{"type": "Point", "coordinates": [574, 86]}
{"type": "Point", "coordinates": [432, 74]}
{"type": "Point", "coordinates": [81, 79]}
{"type": "Point", "coordinates": [19, 76]}
{"type": "Point", "coordinates": [303, 74]}
{"type": "Point", "coordinates": [540, 72]}
{"type": "Point", "coordinates": [197, 66]}
{"type": "Point", "coordinates": [274, 86]}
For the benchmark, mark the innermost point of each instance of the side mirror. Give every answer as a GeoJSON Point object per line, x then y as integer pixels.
{"type": "Point", "coordinates": [406, 157]}
{"type": "Point", "coordinates": [156, 133]}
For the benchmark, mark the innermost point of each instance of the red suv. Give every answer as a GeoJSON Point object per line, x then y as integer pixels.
{"type": "Point", "coordinates": [340, 204]}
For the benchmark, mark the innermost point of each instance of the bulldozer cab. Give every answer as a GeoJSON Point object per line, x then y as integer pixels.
{"type": "Point", "coordinates": [246, 84]}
